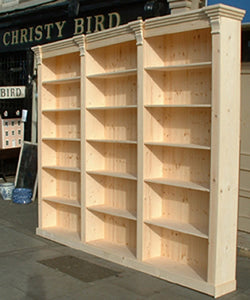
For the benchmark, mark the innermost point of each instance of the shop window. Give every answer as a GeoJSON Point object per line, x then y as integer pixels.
{"type": "Point", "coordinates": [6, 124]}
{"type": "Point", "coordinates": [13, 132]}
{"type": "Point", "coordinates": [19, 123]}
{"type": "Point", "coordinates": [19, 141]}
{"type": "Point", "coordinates": [16, 69]}
{"type": "Point", "coordinates": [7, 143]}
{"type": "Point", "coordinates": [6, 133]}
{"type": "Point", "coordinates": [19, 131]}
{"type": "Point", "coordinates": [12, 123]}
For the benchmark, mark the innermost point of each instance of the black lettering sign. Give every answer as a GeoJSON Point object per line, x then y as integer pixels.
{"type": "Point", "coordinates": [44, 33]}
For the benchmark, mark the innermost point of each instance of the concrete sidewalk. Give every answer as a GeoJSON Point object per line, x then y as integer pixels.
{"type": "Point", "coordinates": [31, 268]}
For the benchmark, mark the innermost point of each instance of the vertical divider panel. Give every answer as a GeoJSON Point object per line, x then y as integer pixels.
{"type": "Point", "coordinates": [38, 55]}
{"type": "Point", "coordinates": [80, 41]}
{"type": "Point", "coordinates": [138, 30]}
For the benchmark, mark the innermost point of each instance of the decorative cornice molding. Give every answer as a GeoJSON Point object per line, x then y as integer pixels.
{"type": "Point", "coordinates": [216, 12]}
{"type": "Point", "coordinates": [137, 27]}
{"type": "Point", "coordinates": [38, 54]}
{"type": "Point", "coordinates": [80, 42]}
{"type": "Point", "coordinates": [221, 10]}
{"type": "Point", "coordinates": [63, 44]}
{"type": "Point", "coordinates": [120, 32]}
{"type": "Point", "coordinates": [210, 14]}
{"type": "Point", "coordinates": [191, 16]}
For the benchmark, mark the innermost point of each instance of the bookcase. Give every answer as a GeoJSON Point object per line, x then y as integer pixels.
{"type": "Point", "coordinates": [139, 145]}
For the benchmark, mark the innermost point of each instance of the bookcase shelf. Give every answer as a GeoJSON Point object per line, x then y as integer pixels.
{"type": "Point", "coordinates": [112, 141]}
{"type": "Point", "coordinates": [113, 174]}
{"type": "Point", "coordinates": [69, 169]}
{"type": "Point", "coordinates": [179, 125]}
{"type": "Point", "coordinates": [182, 48]}
{"type": "Point", "coordinates": [110, 210]}
{"type": "Point", "coordinates": [67, 218]}
{"type": "Point", "coordinates": [61, 139]}
{"type": "Point", "coordinates": [115, 124]}
{"type": "Point", "coordinates": [183, 67]}
{"type": "Point", "coordinates": [194, 146]}
{"type": "Point", "coordinates": [120, 91]}
{"type": "Point", "coordinates": [112, 195]}
{"type": "Point", "coordinates": [116, 158]}
{"type": "Point", "coordinates": [61, 153]}
{"type": "Point", "coordinates": [64, 201]}
{"type": "Point", "coordinates": [179, 248]}
{"type": "Point", "coordinates": [62, 81]}
{"type": "Point", "coordinates": [113, 58]}
{"type": "Point", "coordinates": [177, 164]}
{"type": "Point", "coordinates": [113, 249]}
{"type": "Point", "coordinates": [177, 208]}
{"type": "Point", "coordinates": [61, 67]}
{"type": "Point", "coordinates": [61, 110]}
{"type": "Point", "coordinates": [178, 105]}
{"type": "Point", "coordinates": [113, 230]}
{"type": "Point", "coordinates": [60, 183]}
{"type": "Point", "coordinates": [139, 145]}
{"type": "Point", "coordinates": [111, 107]}
{"type": "Point", "coordinates": [61, 124]}
{"type": "Point", "coordinates": [114, 74]}
{"type": "Point", "coordinates": [180, 183]}
{"type": "Point", "coordinates": [177, 270]}
{"type": "Point", "coordinates": [177, 226]}
{"type": "Point", "coordinates": [64, 95]}
{"type": "Point", "coordinates": [182, 87]}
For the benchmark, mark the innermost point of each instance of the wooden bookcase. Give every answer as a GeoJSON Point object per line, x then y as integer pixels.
{"type": "Point", "coordinates": [139, 145]}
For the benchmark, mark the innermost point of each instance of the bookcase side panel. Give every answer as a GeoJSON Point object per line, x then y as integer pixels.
{"type": "Point", "coordinates": [225, 154]}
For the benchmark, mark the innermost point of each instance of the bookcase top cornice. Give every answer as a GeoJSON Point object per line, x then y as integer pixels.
{"type": "Point", "coordinates": [114, 35]}
{"type": "Point", "coordinates": [65, 46]}
{"type": "Point", "coordinates": [191, 20]}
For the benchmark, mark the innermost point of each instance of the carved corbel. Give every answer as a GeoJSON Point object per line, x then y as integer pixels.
{"type": "Point", "coordinates": [80, 42]}
{"type": "Point", "coordinates": [38, 55]}
{"type": "Point", "coordinates": [137, 27]}
{"type": "Point", "coordinates": [215, 25]}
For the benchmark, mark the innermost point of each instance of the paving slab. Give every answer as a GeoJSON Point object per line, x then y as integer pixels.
{"type": "Point", "coordinates": [46, 287]}
{"type": "Point", "coordinates": [103, 292]}
{"type": "Point", "coordinates": [141, 284]}
{"type": "Point", "coordinates": [10, 293]}
{"type": "Point", "coordinates": [12, 240]}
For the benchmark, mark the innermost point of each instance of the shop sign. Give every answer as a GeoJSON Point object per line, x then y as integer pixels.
{"type": "Point", "coordinates": [52, 31]}
{"type": "Point", "coordinates": [12, 92]}
{"type": "Point", "coordinates": [93, 16]}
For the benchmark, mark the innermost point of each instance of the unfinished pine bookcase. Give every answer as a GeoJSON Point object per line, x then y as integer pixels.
{"type": "Point", "coordinates": [139, 145]}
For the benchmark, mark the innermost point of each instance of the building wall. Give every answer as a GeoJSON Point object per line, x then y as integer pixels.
{"type": "Point", "coordinates": [244, 191]}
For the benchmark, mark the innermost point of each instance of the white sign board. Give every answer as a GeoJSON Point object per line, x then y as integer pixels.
{"type": "Point", "coordinates": [12, 92]}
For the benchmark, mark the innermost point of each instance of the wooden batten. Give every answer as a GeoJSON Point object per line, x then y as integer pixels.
{"type": "Point", "coordinates": [135, 161]}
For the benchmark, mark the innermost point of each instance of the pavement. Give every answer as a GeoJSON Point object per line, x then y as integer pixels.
{"type": "Point", "coordinates": [35, 268]}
